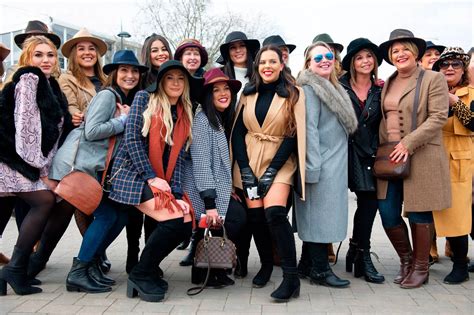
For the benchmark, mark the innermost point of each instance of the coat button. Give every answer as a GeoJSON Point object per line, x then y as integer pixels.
{"type": "Point", "coordinates": [400, 111]}
{"type": "Point", "coordinates": [400, 117]}
{"type": "Point", "coordinates": [401, 124]}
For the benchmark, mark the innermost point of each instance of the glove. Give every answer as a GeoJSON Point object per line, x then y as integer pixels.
{"type": "Point", "coordinates": [265, 182]}
{"type": "Point", "coordinates": [249, 182]}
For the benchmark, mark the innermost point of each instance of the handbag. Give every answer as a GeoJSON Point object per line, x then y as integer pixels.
{"type": "Point", "coordinates": [384, 168]}
{"type": "Point", "coordinates": [213, 252]}
{"type": "Point", "coordinates": [82, 190]}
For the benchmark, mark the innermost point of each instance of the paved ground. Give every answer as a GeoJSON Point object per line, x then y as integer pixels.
{"type": "Point", "coordinates": [360, 297]}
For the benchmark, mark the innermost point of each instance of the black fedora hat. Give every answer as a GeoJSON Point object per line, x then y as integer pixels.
{"type": "Point", "coordinates": [195, 84]}
{"type": "Point", "coordinates": [278, 41]}
{"type": "Point", "coordinates": [325, 38]}
{"type": "Point", "coordinates": [192, 43]}
{"type": "Point", "coordinates": [431, 45]}
{"type": "Point", "coordinates": [124, 57]}
{"type": "Point", "coordinates": [220, 60]}
{"type": "Point", "coordinates": [402, 35]}
{"type": "Point", "coordinates": [253, 45]}
{"type": "Point", "coordinates": [357, 45]}
{"type": "Point", "coordinates": [36, 28]}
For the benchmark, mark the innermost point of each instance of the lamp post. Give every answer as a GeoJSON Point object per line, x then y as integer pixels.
{"type": "Point", "coordinates": [123, 35]}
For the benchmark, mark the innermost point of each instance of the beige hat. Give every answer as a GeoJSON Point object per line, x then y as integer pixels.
{"type": "Point", "coordinates": [4, 52]}
{"type": "Point", "coordinates": [83, 35]}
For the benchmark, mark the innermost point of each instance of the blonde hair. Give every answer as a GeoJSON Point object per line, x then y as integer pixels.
{"type": "Point", "coordinates": [79, 74]}
{"type": "Point", "coordinates": [307, 60]}
{"type": "Point", "coordinates": [26, 57]}
{"type": "Point", "coordinates": [159, 104]}
{"type": "Point", "coordinates": [373, 73]}
{"type": "Point", "coordinates": [408, 44]}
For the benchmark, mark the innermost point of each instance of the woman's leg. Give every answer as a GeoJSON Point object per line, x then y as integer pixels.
{"type": "Point", "coordinates": [21, 210]}
{"type": "Point", "coordinates": [6, 208]}
{"type": "Point", "coordinates": [134, 232]}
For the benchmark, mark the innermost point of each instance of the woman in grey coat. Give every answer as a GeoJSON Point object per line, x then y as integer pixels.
{"type": "Point", "coordinates": [209, 182]}
{"type": "Point", "coordinates": [322, 217]}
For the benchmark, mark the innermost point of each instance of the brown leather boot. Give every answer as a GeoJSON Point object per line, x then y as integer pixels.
{"type": "Point", "coordinates": [398, 236]}
{"type": "Point", "coordinates": [4, 259]}
{"type": "Point", "coordinates": [419, 273]}
{"type": "Point", "coordinates": [331, 255]}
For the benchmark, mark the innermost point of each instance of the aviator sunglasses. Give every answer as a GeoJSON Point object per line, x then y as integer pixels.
{"type": "Point", "coordinates": [328, 56]}
{"type": "Point", "coordinates": [456, 64]}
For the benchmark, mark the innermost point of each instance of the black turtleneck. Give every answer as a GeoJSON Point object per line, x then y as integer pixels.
{"type": "Point", "coordinates": [97, 84]}
{"type": "Point", "coordinates": [266, 92]}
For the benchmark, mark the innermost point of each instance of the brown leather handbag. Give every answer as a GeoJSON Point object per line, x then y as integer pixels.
{"type": "Point", "coordinates": [213, 252]}
{"type": "Point", "coordinates": [384, 168]}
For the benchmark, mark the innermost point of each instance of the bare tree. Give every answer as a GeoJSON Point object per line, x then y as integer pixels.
{"type": "Point", "coordinates": [180, 19]}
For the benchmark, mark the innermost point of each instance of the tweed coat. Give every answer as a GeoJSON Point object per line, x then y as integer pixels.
{"type": "Point", "coordinates": [456, 220]}
{"type": "Point", "coordinates": [93, 135]}
{"type": "Point", "coordinates": [330, 118]}
{"type": "Point", "coordinates": [422, 192]}
{"type": "Point", "coordinates": [132, 168]}
{"type": "Point", "coordinates": [78, 96]}
{"type": "Point", "coordinates": [262, 142]}
{"type": "Point", "coordinates": [209, 175]}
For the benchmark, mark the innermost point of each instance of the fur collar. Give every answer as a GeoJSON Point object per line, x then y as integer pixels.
{"type": "Point", "coordinates": [334, 97]}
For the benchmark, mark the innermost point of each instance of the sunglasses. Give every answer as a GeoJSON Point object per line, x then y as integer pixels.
{"type": "Point", "coordinates": [456, 64]}
{"type": "Point", "coordinates": [328, 56]}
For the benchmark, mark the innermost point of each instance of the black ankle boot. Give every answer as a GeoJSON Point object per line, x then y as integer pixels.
{"type": "Point", "coordinates": [197, 235]}
{"type": "Point", "coordinates": [351, 254]}
{"type": "Point", "coordinates": [304, 265]}
{"type": "Point", "coordinates": [363, 266]}
{"type": "Point", "coordinates": [321, 272]}
{"type": "Point", "coordinates": [95, 272]}
{"type": "Point", "coordinates": [263, 275]}
{"type": "Point", "coordinates": [15, 274]}
{"type": "Point", "coordinates": [104, 263]}
{"type": "Point", "coordinates": [289, 287]}
{"type": "Point", "coordinates": [329, 279]}
{"type": "Point", "coordinates": [37, 261]}
{"type": "Point", "coordinates": [221, 276]}
{"type": "Point", "coordinates": [241, 270]}
{"type": "Point", "coordinates": [79, 280]}
{"type": "Point", "coordinates": [459, 273]}
{"type": "Point", "coordinates": [146, 288]}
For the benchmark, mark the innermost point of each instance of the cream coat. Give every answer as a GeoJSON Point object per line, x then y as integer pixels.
{"type": "Point", "coordinates": [78, 97]}
{"type": "Point", "coordinates": [428, 187]}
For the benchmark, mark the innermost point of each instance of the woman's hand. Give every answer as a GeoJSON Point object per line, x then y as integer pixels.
{"type": "Point", "coordinates": [399, 153]}
{"type": "Point", "coordinates": [212, 217]}
{"type": "Point", "coordinates": [159, 183]}
{"type": "Point", "coordinates": [184, 206]}
{"type": "Point", "coordinates": [77, 119]}
{"type": "Point", "coordinates": [453, 99]}
{"type": "Point", "coordinates": [51, 184]}
{"type": "Point", "coordinates": [123, 109]}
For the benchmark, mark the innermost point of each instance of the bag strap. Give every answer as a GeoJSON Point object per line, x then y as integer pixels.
{"type": "Point", "coordinates": [110, 151]}
{"type": "Point", "coordinates": [416, 101]}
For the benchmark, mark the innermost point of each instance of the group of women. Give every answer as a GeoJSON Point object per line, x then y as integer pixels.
{"type": "Point", "coordinates": [236, 146]}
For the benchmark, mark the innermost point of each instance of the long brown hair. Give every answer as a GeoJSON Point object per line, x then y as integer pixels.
{"type": "Point", "coordinates": [149, 76]}
{"type": "Point", "coordinates": [288, 83]}
{"type": "Point", "coordinates": [78, 73]}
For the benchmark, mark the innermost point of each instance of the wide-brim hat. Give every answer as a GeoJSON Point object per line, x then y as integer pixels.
{"type": "Point", "coordinates": [278, 41]}
{"type": "Point", "coordinates": [192, 43]}
{"type": "Point", "coordinates": [4, 52]}
{"type": "Point", "coordinates": [220, 60]}
{"type": "Point", "coordinates": [452, 53]}
{"type": "Point", "coordinates": [357, 45]}
{"type": "Point", "coordinates": [124, 57]}
{"type": "Point", "coordinates": [36, 28]}
{"type": "Point", "coordinates": [252, 45]}
{"type": "Point", "coordinates": [402, 35]}
{"type": "Point", "coordinates": [81, 36]}
{"type": "Point", "coordinates": [195, 84]}
{"type": "Point", "coordinates": [325, 38]}
{"type": "Point", "coordinates": [431, 45]}
{"type": "Point", "coordinates": [215, 75]}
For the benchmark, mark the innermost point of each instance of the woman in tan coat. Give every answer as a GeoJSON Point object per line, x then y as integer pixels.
{"type": "Point", "coordinates": [455, 222]}
{"type": "Point", "coordinates": [268, 130]}
{"type": "Point", "coordinates": [419, 193]}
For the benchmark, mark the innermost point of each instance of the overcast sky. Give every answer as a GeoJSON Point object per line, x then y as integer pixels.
{"type": "Point", "coordinates": [445, 22]}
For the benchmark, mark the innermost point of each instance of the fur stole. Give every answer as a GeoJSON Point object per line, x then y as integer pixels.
{"type": "Point", "coordinates": [335, 98]}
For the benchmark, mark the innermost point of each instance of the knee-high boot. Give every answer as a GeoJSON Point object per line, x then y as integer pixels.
{"type": "Point", "coordinates": [422, 233]}
{"type": "Point", "coordinates": [285, 242]}
{"type": "Point", "coordinates": [134, 232]}
{"type": "Point", "coordinates": [263, 241]}
{"type": "Point", "coordinates": [459, 273]}
{"type": "Point", "coordinates": [398, 236]}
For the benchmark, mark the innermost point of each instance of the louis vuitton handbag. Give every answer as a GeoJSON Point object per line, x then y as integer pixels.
{"type": "Point", "coordinates": [213, 252]}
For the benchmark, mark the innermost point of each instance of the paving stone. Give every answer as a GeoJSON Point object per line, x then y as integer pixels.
{"type": "Point", "coordinates": [30, 306]}
{"type": "Point", "coordinates": [61, 309]}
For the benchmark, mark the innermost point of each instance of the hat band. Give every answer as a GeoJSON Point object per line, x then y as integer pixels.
{"type": "Point", "coordinates": [218, 79]}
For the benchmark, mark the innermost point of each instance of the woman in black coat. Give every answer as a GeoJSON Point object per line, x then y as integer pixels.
{"type": "Point", "coordinates": [360, 81]}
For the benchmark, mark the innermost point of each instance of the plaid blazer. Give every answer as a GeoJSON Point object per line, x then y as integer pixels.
{"type": "Point", "coordinates": [209, 174]}
{"type": "Point", "coordinates": [132, 168]}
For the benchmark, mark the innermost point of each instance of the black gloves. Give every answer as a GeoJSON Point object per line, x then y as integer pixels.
{"type": "Point", "coordinates": [265, 182]}
{"type": "Point", "coordinates": [249, 183]}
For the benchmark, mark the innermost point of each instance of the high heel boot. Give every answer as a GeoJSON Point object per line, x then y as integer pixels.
{"type": "Point", "coordinates": [398, 236]}
{"type": "Point", "coordinates": [14, 273]}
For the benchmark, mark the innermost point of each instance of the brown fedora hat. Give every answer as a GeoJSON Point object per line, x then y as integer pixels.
{"type": "Point", "coordinates": [4, 52]}
{"type": "Point", "coordinates": [402, 35]}
{"type": "Point", "coordinates": [81, 36]}
{"type": "Point", "coordinates": [37, 28]}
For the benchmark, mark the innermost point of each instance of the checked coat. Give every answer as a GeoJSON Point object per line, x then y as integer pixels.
{"type": "Point", "coordinates": [209, 175]}
{"type": "Point", "coordinates": [132, 167]}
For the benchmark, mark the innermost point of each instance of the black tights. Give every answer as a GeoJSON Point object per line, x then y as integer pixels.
{"type": "Point", "coordinates": [41, 203]}
{"type": "Point", "coordinates": [364, 216]}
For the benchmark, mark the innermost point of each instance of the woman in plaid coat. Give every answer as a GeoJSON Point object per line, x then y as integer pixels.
{"type": "Point", "coordinates": [147, 172]}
